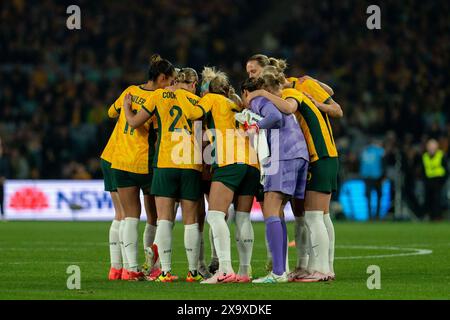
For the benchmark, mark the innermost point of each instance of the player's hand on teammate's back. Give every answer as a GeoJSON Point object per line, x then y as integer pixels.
{"type": "Point", "coordinates": [316, 103]}
{"type": "Point", "coordinates": [127, 101]}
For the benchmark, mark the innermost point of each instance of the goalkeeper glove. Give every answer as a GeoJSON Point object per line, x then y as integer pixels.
{"type": "Point", "coordinates": [248, 127]}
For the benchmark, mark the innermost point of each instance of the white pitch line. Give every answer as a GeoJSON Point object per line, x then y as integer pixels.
{"type": "Point", "coordinates": [416, 252]}
{"type": "Point", "coordinates": [32, 244]}
{"type": "Point", "coordinates": [41, 249]}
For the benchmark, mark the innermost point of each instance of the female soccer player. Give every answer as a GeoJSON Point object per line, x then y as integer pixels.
{"type": "Point", "coordinates": [130, 161]}
{"type": "Point", "coordinates": [285, 175]}
{"type": "Point", "coordinates": [235, 172]}
{"type": "Point", "coordinates": [309, 87]}
{"type": "Point", "coordinates": [315, 259]}
{"type": "Point", "coordinates": [177, 167]}
{"type": "Point", "coordinates": [206, 186]}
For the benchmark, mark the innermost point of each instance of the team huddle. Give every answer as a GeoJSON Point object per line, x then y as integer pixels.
{"type": "Point", "coordinates": [273, 142]}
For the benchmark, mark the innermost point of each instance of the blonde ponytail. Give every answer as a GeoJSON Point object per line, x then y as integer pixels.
{"type": "Point", "coordinates": [217, 81]}
{"type": "Point", "coordinates": [210, 73]}
{"type": "Point", "coordinates": [233, 96]}
{"type": "Point", "coordinates": [186, 75]}
{"type": "Point", "coordinates": [280, 64]}
{"type": "Point", "coordinates": [275, 72]}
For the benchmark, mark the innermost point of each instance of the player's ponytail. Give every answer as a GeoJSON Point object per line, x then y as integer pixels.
{"type": "Point", "coordinates": [186, 75]}
{"type": "Point", "coordinates": [279, 64]}
{"type": "Point", "coordinates": [233, 96]}
{"type": "Point", "coordinates": [159, 66]}
{"type": "Point", "coordinates": [215, 81]}
{"type": "Point", "coordinates": [155, 58]}
{"type": "Point", "coordinates": [275, 72]}
{"type": "Point", "coordinates": [208, 74]}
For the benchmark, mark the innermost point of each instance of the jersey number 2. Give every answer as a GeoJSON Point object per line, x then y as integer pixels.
{"type": "Point", "coordinates": [178, 115]}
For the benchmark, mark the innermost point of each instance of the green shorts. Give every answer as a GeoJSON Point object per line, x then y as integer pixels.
{"type": "Point", "coordinates": [177, 183]}
{"type": "Point", "coordinates": [260, 194]}
{"type": "Point", "coordinates": [241, 178]}
{"type": "Point", "coordinates": [322, 175]}
{"type": "Point", "coordinates": [125, 179]}
{"type": "Point", "coordinates": [108, 176]}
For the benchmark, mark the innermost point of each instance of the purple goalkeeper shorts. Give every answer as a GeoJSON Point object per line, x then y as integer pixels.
{"type": "Point", "coordinates": [289, 178]}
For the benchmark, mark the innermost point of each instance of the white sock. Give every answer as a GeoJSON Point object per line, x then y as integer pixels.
{"type": "Point", "coordinates": [231, 215]}
{"type": "Point", "coordinates": [245, 238]}
{"type": "Point", "coordinates": [130, 242]}
{"type": "Point", "coordinates": [191, 243]}
{"type": "Point", "coordinates": [149, 235]}
{"type": "Point", "coordinates": [320, 244]}
{"type": "Point", "coordinates": [114, 245]}
{"type": "Point", "coordinates": [213, 247]}
{"type": "Point", "coordinates": [163, 240]}
{"type": "Point", "coordinates": [330, 230]}
{"type": "Point", "coordinates": [237, 235]}
{"type": "Point", "coordinates": [221, 233]}
{"type": "Point", "coordinates": [122, 247]}
{"type": "Point", "coordinates": [201, 250]}
{"type": "Point", "coordinates": [301, 242]}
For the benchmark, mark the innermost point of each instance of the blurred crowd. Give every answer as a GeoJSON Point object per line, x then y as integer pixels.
{"type": "Point", "coordinates": [56, 84]}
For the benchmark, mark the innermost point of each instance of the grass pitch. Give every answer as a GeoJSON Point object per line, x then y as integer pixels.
{"type": "Point", "coordinates": [413, 258]}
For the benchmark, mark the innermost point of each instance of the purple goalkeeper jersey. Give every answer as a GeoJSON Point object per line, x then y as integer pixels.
{"type": "Point", "coordinates": [291, 142]}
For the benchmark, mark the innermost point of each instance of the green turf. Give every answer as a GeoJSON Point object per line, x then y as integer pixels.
{"type": "Point", "coordinates": [34, 257]}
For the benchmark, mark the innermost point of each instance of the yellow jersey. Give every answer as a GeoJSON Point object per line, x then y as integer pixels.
{"type": "Point", "coordinates": [315, 126]}
{"type": "Point", "coordinates": [108, 152]}
{"type": "Point", "coordinates": [131, 148]}
{"type": "Point", "coordinates": [310, 87]}
{"type": "Point", "coordinates": [229, 143]}
{"type": "Point", "coordinates": [176, 146]}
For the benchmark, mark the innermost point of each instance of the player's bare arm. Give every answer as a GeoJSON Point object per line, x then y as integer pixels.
{"type": "Point", "coordinates": [134, 120]}
{"type": "Point", "coordinates": [286, 106]}
{"type": "Point", "coordinates": [330, 107]}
